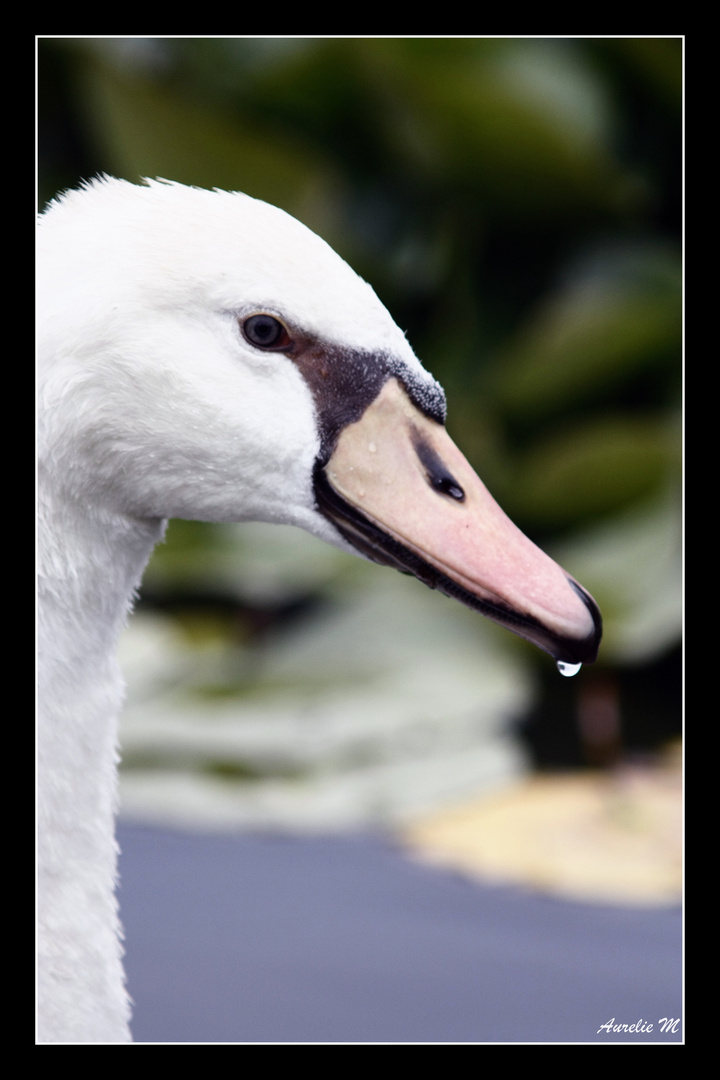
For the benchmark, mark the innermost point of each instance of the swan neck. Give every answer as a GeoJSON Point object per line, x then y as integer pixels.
{"type": "Point", "coordinates": [90, 564]}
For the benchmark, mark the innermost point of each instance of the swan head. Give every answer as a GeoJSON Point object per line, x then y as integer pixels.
{"type": "Point", "coordinates": [204, 355]}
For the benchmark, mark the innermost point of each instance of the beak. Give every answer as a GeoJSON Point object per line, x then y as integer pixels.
{"type": "Point", "coordinates": [399, 490]}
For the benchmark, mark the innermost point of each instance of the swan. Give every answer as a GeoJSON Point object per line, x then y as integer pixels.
{"type": "Point", "coordinates": [202, 354]}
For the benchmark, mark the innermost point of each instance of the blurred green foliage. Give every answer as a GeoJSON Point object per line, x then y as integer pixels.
{"type": "Point", "coordinates": [515, 202]}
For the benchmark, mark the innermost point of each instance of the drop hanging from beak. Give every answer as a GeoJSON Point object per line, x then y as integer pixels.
{"type": "Point", "coordinates": [567, 669]}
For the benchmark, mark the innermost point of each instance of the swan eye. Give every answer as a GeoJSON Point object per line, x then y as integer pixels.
{"type": "Point", "coordinates": [266, 332]}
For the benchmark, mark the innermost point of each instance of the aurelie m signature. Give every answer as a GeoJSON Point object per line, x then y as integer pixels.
{"type": "Point", "coordinates": [667, 1025]}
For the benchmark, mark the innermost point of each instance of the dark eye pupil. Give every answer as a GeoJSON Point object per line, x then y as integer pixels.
{"type": "Point", "coordinates": [263, 330]}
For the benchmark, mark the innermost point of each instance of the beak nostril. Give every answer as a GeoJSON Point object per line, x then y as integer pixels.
{"type": "Point", "coordinates": [447, 486]}
{"type": "Point", "coordinates": [438, 475]}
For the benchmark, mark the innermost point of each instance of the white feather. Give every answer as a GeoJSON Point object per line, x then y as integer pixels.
{"type": "Point", "coordinates": [151, 405]}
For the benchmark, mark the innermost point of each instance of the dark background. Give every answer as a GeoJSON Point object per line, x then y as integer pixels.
{"type": "Point", "coordinates": [516, 203]}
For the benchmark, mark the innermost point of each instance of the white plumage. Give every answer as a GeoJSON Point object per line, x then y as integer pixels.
{"type": "Point", "coordinates": [159, 397]}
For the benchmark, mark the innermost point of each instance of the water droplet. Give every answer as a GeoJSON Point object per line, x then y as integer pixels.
{"type": "Point", "coordinates": [568, 669]}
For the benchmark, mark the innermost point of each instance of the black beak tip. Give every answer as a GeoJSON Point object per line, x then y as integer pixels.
{"type": "Point", "coordinates": [584, 651]}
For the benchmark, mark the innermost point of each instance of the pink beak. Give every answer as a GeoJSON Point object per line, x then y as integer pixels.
{"type": "Point", "coordinates": [400, 490]}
